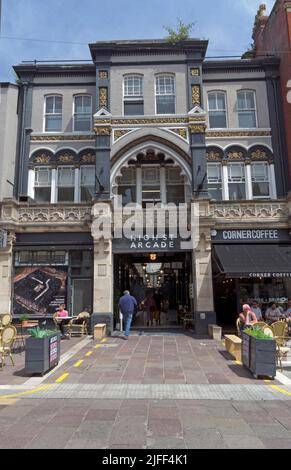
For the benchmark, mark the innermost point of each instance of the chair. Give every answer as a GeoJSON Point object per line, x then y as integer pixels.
{"type": "Point", "coordinates": [280, 331]}
{"type": "Point", "coordinates": [238, 325]}
{"type": "Point", "coordinates": [261, 324]}
{"type": "Point", "coordinates": [79, 328]}
{"type": "Point", "coordinates": [7, 338]}
{"type": "Point", "coordinates": [5, 319]}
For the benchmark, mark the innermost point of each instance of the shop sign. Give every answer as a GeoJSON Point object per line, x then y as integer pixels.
{"type": "Point", "coordinates": [253, 235]}
{"type": "Point", "coordinates": [147, 243]}
{"type": "Point", "coordinates": [269, 275]}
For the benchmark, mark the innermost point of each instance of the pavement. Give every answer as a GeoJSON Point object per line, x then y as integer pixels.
{"type": "Point", "coordinates": [155, 391]}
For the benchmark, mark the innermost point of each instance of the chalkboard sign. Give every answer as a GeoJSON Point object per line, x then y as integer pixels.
{"type": "Point", "coordinates": [53, 351]}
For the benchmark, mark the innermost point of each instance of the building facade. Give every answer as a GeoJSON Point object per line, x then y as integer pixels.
{"type": "Point", "coordinates": [149, 123]}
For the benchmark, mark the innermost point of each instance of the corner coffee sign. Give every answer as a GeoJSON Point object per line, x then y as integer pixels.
{"type": "Point", "coordinates": [251, 236]}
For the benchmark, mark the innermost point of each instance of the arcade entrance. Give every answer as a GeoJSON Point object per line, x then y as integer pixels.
{"type": "Point", "coordinates": [168, 275]}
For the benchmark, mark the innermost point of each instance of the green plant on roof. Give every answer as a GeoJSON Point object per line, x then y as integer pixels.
{"type": "Point", "coordinates": [181, 34]}
{"type": "Point", "coordinates": [37, 333]}
{"type": "Point", "coordinates": [24, 317]}
{"type": "Point", "coordinates": [257, 332]}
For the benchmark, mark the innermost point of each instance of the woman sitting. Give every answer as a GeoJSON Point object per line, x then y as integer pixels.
{"type": "Point", "coordinates": [247, 317]}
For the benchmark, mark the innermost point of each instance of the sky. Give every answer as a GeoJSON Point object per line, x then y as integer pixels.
{"type": "Point", "coordinates": [62, 29]}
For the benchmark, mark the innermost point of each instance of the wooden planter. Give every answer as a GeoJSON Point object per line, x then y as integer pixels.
{"type": "Point", "coordinates": [42, 354]}
{"type": "Point", "coordinates": [259, 356]}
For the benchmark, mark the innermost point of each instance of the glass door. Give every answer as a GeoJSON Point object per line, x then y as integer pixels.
{"type": "Point", "coordinates": [81, 295]}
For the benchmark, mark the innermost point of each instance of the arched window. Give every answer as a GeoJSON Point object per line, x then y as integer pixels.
{"type": "Point", "coordinates": [133, 95]}
{"type": "Point", "coordinates": [82, 113]}
{"type": "Point", "coordinates": [246, 108]}
{"type": "Point", "coordinates": [53, 113]}
{"type": "Point", "coordinates": [217, 109]}
{"type": "Point", "coordinates": [165, 94]}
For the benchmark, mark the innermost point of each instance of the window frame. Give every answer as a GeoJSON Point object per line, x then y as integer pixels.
{"type": "Point", "coordinates": [224, 93]}
{"type": "Point", "coordinates": [133, 98]}
{"type": "Point", "coordinates": [82, 95]}
{"type": "Point", "coordinates": [245, 176]}
{"type": "Point", "coordinates": [45, 114]}
{"type": "Point", "coordinates": [83, 186]}
{"type": "Point", "coordinates": [173, 77]}
{"type": "Point", "coordinates": [35, 185]}
{"type": "Point", "coordinates": [60, 167]}
{"type": "Point", "coordinates": [247, 110]}
{"type": "Point", "coordinates": [219, 166]}
{"type": "Point", "coordinates": [266, 164]}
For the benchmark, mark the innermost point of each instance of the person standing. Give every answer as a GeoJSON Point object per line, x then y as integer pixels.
{"type": "Point", "coordinates": [150, 305]}
{"type": "Point", "coordinates": [127, 305]}
{"type": "Point", "coordinates": [158, 301]}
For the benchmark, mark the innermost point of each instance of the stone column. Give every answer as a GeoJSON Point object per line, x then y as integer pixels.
{"type": "Point", "coordinates": [6, 269]}
{"type": "Point", "coordinates": [103, 267]}
{"type": "Point", "coordinates": [204, 313]}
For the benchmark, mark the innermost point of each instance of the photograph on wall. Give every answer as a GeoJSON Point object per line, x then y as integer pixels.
{"type": "Point", "coordinates": [39, 290]}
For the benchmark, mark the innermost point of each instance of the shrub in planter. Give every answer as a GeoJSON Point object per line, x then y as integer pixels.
{"type": "Point", "coordinates": [42, 351]}
{"type": "Point", "coordinates": [259, 352]}
{"type": "Point", "coordinates": [24, 319]}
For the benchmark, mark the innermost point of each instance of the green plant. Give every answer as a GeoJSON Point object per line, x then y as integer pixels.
{"type": "Point", "coordinates": [257, 332]}
{"type": "Point", "coordinates": [24, 317]}
{"type": "Point", "coordinates": [182, 33]}
{"type": "Point", "coordinates": [37, 333]}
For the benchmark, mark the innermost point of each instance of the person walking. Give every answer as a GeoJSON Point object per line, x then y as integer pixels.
{"type": "Point", "coordinates": [127, 305]}
{"type": "Point", "coordinates": [150, 305]}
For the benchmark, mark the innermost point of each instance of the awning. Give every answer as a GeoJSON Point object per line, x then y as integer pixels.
{"type": "Point", "coordinates": [253, 260]}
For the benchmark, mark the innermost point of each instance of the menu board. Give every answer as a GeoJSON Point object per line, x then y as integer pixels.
{"type": "Point", "coordinates": [53, 352]}
{"type": "Point", "coordinates": [246, 350]}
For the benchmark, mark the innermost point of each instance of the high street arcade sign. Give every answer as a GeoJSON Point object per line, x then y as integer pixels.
{"type": "Point", "coordinates": [147, 243]}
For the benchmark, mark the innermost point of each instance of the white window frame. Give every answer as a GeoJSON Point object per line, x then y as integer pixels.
{"type": "Point", "coordinates": [266, 164]}
{"type": "Point", "coordinates": [225, 110]}
{"type": "Point", "coordinates": [165, 75]}
{"type": "Point", "coordinates": [247, 110]}
{"type": "Point", "coordinates": [37, 185]}
{"type": "Point", "coordinates": [75, 186]}
{"type": "Point", "coordinates": [242, 164]}
{"type": "Point", "coordinates": [80, 182]}
{"type": "Point", "coordinates": [82, 95]}
{"type": "Point", "coordinates": [217, 165]}
{"type": "Point", "coordinates": [45, 114]}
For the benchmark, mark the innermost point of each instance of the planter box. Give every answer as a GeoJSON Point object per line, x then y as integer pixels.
{"type": "Point", "coordinates": [42, 355]}
{"type": "Point", "coordinates": [259, 356]}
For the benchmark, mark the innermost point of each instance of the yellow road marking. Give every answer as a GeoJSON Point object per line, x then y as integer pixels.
{"type": "Point", "coordinates": [281, 390]}
{"type": "Point", "coordinates": [267, 381]}
{"type": "Point", "coordinates": [78, 363]}
{"type": "Point", "coordinates": [89, 353]}
{"type": "Point", "coordinates": [104, 340]}
{"type": "Point", "coordinates": [63, 377]}
{"type": "Point", "coordinates": [28, 392]}
{"type": "Point", "coordinates": [238, 363]}
{"type": "Point", "coordinates": [98, 346]}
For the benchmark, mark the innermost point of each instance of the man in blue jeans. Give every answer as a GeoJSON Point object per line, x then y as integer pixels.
{"type": "Point", "coordinates": [127, 305]}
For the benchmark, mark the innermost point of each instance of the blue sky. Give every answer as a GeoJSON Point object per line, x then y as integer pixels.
{"type": "Point", "coordinates": [74, 23]}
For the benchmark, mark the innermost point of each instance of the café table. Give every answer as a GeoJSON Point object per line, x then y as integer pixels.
{"type": "Point", "coordinates": [64, 320]}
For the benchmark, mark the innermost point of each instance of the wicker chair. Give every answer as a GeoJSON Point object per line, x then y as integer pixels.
{"type": "Point", "coordinates": [7, 337]}
{"type": "Point", "coordinates": [280, 331]}
{"type": "Point", "coordinates": [75, 327]}
{"type": "Point", "coordinates": [5, 319]}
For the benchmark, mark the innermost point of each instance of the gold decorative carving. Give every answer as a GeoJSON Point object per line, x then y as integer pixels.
{"type": "Point", "coordinates": [239, 134]}
{"type": "Point", "coordinates": [43, 158]}
{"type": "Point", "coordinates": [103, 74]}
{"type": "Point", "coordinates": [88, 158]}
{"type": "Point", "coordinates": [197, 129]}
{"type": "Point", "coordinates": [103, 97]}
{"type": "Point", "coordinates": [213, 156]}
{"type": "Point", "coordinates": [50, 138]}
{"type": "Point", "coordinates": [195, 72]}
{"type": "Point", "coordinates": [258, 154]}
{"type": "Point", "coordinates": [66, 158]}
{"type": "Point", "coordinates": [120, 133]}
{"type": "Point", "coordinates": [197, 119]}
{"type": "Point", "coordinates": [102, 130]}
{"type": "Point", "coordinates": [235, 155]}
{"type": "Point", "coordinates": [196, 98]}
{"type": "Point", "coordinates": [180, 131]}
{"type": "Point", "coordinates": [137, 122]}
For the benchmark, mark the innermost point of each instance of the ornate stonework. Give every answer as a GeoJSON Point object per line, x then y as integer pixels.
{"type": "Point", "coordinates": [197, 129]}
{"type": "Point", "coordinates": [182, 132]}
{"type": "Point", "coordinates": [103, 74]}
{"type": "Point", "coordinates": [238, 133]}
{"type": "Point", "coordinates": [196, 95]}
{"type": "Point", "coordinates": [44, 159]}
{"type": "Point", "coordinates": [138, 122]}
{"type": "Point", "coordinates": [235, 156]}
{"type": "Point", "coordinates": [103, 97]}
{"type": "Point", "coordinates": [60, 137]}
{"type": "Point", "coordinates": [213, 156]}
{"type": "Point", "coordinates": [66, 158]}
{"type": "Point", "coordinates": [120, 133]}
{"type": "Point", "coordinates": [258, 154]}
{"type": "Point", "coordinates": [88, 158]}
{"type": "Point", "coordinates": [195, 72]}
{"type": "Point", "coordinates": [103, 130]}
{"type": "Point", "coordinates": [53, 214]}
{"type": "Point", "coordinates": [255, 211]}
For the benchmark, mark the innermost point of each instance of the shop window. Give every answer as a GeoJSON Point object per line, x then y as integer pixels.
{"type": "Point", "coordinates": [214, 181]}
{"type": "Point", "coordinates": [165, 94]}
{"type": "Point", "coordinates": [217, 110]}
{"type": "Point", "coordinates": [236, 181]}
{"type": "Point", "coordinates": [42, 184]}
{"type": "Point", "coordinates": [53, 113]}
{"type": "Point", "coordinates": [260, 180]}
{"type": "Point", "coordinates": [133, 95]}
{"type": "Point", "coordinates": [87, 183]}
{"type": "Point", "coordinates": [246, 107]}
{"type": "Point", "coordinates": [82, 113]}
{"type": "Point", "coordinates": [66, 184]}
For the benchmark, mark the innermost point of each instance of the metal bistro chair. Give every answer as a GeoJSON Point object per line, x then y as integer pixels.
{"type": "Point", "coordinates": [7, 337]}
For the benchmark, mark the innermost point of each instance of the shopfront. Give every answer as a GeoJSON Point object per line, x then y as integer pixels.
{"type": "Point", "coordinates": [52, 269]}
{"type": "Point", "coordinates": [250, 265]}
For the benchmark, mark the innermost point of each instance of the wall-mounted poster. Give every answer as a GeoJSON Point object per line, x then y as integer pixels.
{"type": "Point", "coordinates": [39, 290]}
